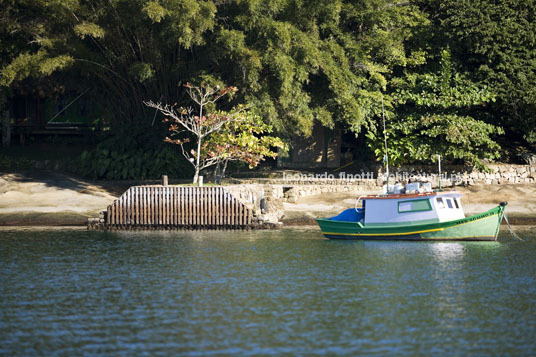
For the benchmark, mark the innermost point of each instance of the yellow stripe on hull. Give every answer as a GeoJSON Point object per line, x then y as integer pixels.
{"type": "Point", "coordinates": [479, 230]}
{"type": "Point", "coordinates": [383, 234]}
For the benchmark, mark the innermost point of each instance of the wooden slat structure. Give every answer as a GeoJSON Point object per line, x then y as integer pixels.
{"type": "Point", "coordinates": [178, 207]}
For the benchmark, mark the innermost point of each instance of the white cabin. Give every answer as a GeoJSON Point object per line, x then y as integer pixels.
{"type": "Point", "coordinates": [396, 209]}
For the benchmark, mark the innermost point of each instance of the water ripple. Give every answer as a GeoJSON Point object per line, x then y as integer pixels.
{"type": "Point", "coordinates": [291, 292]}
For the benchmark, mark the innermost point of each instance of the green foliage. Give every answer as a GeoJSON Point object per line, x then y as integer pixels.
{"type": "Point", "coordinates": [155, 11]}
{"type": "Point", "coordinates": [200, 123]}
{"type": "Point", "coordinates": [432, 117]}
{"type": "Point", "coordinates": [245, 140]}
{"type": "Point", "coordinates": [85, 29]}
{"type": "Point", "coordinates": [496, 42]}
{"type": "Point", "coordinates": [8, 162]}
{"type": "Point", "coordinates": [28, 47]}
{"type": "Point", "coordinates": [420, 139]}
{"type": "Point", "coordinates": [327, 66]}
{"type": "Point", "coordinates": [32, 65]}
{"type": "Point", "coordinates": [132, 155]}
{"type": "Point", "coordinates": [297, 62]}
{"type": "Point", "coordinates": [126, 50]}
{"type": "Point", "coordinates": [52, 64]}
{"type": "Point", "coordinates": [141, 71]}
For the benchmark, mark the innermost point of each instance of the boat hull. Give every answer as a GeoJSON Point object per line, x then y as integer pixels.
{"type": "Point", "coordinates": [480, 227]}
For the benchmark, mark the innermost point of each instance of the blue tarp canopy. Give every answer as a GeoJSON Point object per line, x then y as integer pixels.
{"type": "Point", "coordinates": [350, 215]}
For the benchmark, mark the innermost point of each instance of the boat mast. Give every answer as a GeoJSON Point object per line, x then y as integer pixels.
{"type": "Point", "coordinates": [386, 157]}
{"type": "Point", "coordinates": [439, 163]}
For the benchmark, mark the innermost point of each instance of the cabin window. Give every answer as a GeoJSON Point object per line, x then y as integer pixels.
{"type": "Point", "coordinates": [405, 206]}
{"type": "Point", "coordinates": [440, 203]}
{"type": "Point", "coordinates": [414, 206]}
{"type": "Point", "coordinates": [449, 203]}
{"type": "Point", "coordinates": [456, 203]}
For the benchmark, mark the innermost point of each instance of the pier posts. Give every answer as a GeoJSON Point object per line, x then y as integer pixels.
{"type": "Point", "coordinates": [178, 207]}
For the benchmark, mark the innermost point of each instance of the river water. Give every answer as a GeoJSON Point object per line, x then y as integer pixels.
{"type": "Point", "coordinates": [290, 292]}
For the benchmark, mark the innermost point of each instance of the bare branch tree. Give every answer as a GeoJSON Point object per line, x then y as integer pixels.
{"type": "Point", "coordinates": [199, 123]}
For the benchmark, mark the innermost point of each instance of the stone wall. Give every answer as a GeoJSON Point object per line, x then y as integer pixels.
{"type": "Point", "coordinates": [276, 191]}
{"type": "Point", "coordinates": [497, 174]}
{"type": "Point", "coordinates": [252, 194]}
{"type": "Point", "coordinates": [277, 194]}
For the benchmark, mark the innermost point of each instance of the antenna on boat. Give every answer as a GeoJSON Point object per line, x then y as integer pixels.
{"type": "Point", "coordinates": [439, 163]}
{"type": "Point", "coordinates": [386, 157]}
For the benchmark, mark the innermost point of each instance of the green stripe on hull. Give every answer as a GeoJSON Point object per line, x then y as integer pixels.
{"type": "Point", "coordinates": [398, 224]}
{"type": "Point", "coordinates": [484, 226]}
{"type": "Point", "coordinates": [409, 238]}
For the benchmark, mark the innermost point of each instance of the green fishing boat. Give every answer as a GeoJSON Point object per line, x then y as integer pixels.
{"type": "Point", "coordinates": [413, 216]}
{"type": "Point", "coordinates": [413, 212]}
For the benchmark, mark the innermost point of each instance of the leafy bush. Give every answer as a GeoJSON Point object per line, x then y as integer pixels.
{"type": "Point", "coordinates": [8, 162]}
{"type": "Point", "coordinates": [134, 155]}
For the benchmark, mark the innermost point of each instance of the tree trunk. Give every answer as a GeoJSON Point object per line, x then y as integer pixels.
{"type": "Point", "coordinates": [199, 139]}
{"type": "Point", "coordinates": [197, 159]}
{"type": "Point", "coordinates": [6, 129]}
{"type": "Point", "coordinates": [223, 170]}
{"type": "Point", "coordinates": [216, 173]}
{"type": "Point", "coordinates": [196, 176]}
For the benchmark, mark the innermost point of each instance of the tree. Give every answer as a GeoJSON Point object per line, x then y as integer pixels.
{"type": "Point", "coordinates": [200, 123]}
{"type": "Point", "coordinates": [328, 67]}
{"type": "Point", "coordinates": [28, 49]}
{"type": "Point", "coordinates": [496, 42]}
{"type": "Point", "coordinates": [433, 116]}
{"type": "Point", "coordinates": [28, 41]}
{"type": "Point", "coordinates": [243, 140]}
{"type": "Point", "coordinates": [125, 50]}
{"type": "Point", "coordinates": [332, 66]}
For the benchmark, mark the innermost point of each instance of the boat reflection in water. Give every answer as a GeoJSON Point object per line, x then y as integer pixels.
{"type": "Point", "coordinates": [448, 252]}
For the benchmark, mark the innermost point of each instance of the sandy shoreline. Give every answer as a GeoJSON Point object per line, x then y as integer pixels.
{"type": "Point", "coordinates": [52, 199]}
